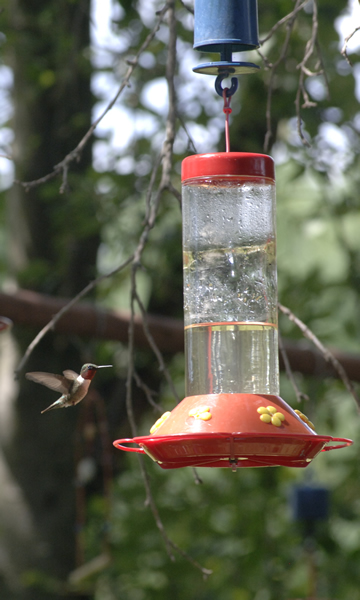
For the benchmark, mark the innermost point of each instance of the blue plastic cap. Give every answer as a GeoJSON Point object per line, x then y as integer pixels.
{"type": "Point", "coordinates": [220, 23]}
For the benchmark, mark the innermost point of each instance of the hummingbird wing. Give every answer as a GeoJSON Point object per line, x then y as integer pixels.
{"type": "Point", "coordinates": [59, 383]}
{"type": "Point", "coordinates": [70, 375]}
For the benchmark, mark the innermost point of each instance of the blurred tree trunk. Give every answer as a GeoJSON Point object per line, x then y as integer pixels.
{"type": "Point", "coordinates": [53, 240]}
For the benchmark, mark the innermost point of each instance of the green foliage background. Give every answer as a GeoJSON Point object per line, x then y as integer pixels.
{"type": "Point", "coordinates": [239, 525]}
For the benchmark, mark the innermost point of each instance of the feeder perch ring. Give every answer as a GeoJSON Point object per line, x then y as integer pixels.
{"type": "Point", "coordinates": [232, 450]}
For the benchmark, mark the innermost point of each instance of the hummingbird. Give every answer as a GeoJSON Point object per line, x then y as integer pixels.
{"type": "Point", "coordinates": [73, 387]}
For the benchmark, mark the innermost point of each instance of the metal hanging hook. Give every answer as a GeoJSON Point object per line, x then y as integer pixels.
{"type": "Point", "coordinates": [229, 91]}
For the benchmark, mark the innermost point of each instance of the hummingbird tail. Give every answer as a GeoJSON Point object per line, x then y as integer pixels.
{"type": "Point", "coordinates": [55, 404]}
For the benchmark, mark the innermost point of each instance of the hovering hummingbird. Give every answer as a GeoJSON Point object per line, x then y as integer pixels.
{"type": "Point", "coordinates": [73, 387]}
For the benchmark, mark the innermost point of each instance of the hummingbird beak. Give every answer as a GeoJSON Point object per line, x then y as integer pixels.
{"type": "Point", "coordinates": [104, 366]}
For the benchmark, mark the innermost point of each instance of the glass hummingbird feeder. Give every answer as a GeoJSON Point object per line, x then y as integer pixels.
{"type": "Point", "coordinates": [232, 415]}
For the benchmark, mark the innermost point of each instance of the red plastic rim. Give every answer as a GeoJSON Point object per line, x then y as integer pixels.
{"type": "Point", "coordinates": [232, 449]}
{"type": "Point", "coordinates": [242, 164]}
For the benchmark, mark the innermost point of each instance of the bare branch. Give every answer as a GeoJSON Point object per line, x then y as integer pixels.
{"type": "Point", "coordinates": [170, 545]}
{"type": "Point", "coordinates": [299, 94]}
{"type": "Point", "coordinates": [321, 68]}
{"type": "Point", "coordinates": [150, 220]}
{"type": "Point", "coordinates": [267, 63]}
{"type": "Point", "coordinates": [285, 19]}
{"type": "Point", "coordinates": [309, 73]}
{"type": "Point", "coordinates": [302, 99]}
{"type": "Point", "coordinates": [75, 154]}
{"type": "Point", "coordinates": [346, 42]}
{"type": "Point", "coordinates": [188, 8]}
{"type": "Point", "coordinates": [155, 349]}
{"type": "Point", "coordinates": [172, 112]}
{"type": "Point", "coordinates": [151, 503]}
{"type": "Point", "coordinates": [131, 365]}
{"type": "Point", "coordinates": [150, 189]}
{"type": "Point", "coordinates": [283, 53]}
{"type": "Point", "coordinates": [310, 47]}
{"type": "Point", "coordinates": [310, 44]}
{"type": "Point", "coordinates": [329, 357]}
{"type": "Point", "coordinates": [197, 479]}
{"type": "Point", "coordinates": [175, 193]}
{"type": "Point", "coordinates": [152, 205]}
{"type": "Point", "coordinates": [148, 392]}
{"type": "Point", "coordinates": [151, 213]}
{"type": "Point", "coordinates": [66, 308]}
{"type": "Point", "coordinates": [299, 395]}
{"type": "Point", "coordinates": [191, 143]}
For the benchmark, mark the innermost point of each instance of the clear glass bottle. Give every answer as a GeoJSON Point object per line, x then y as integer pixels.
{"type": "Point", "coordinates": [230, 276]}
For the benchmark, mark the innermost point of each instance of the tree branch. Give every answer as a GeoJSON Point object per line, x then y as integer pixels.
{"type": "Point", "coordinates": [328, 356]}
{"type": "Point", "coordinates": [285, 19]}
{"type": "Point", "coordinates": [290, 22]}
{"type": "Point", "coordinates": [311, 45]}
{"type": "Point", "coordinates": [299, 395]}
{"type": "Point", "coordinates": [30, 309]}
{"type": "Point", "coordinates": [75, 154]}
{"type": "Point", "coordinates": [301, 91]}
{"type": "Point", "coordinates": [155, 349]}
{"type": "Point", "coordinates": [170, 545]}
{"type": "Point", "coordinates": [151, 213]}
{"type": "Point", "coordinates": [188, 8]}
{"type": "Point", "coordinates": [51, 324]}
{"type": "Point", "coordinates": [148, 393]}
{"type": "Point", "coordinates": [346, 42]}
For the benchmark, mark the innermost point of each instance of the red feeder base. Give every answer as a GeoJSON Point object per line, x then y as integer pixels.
{"type": "Point", "coordinates": [230, 430]}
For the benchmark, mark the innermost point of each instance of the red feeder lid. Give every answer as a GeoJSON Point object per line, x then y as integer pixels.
{"type": "Point", "coordinates": [242, 164]}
